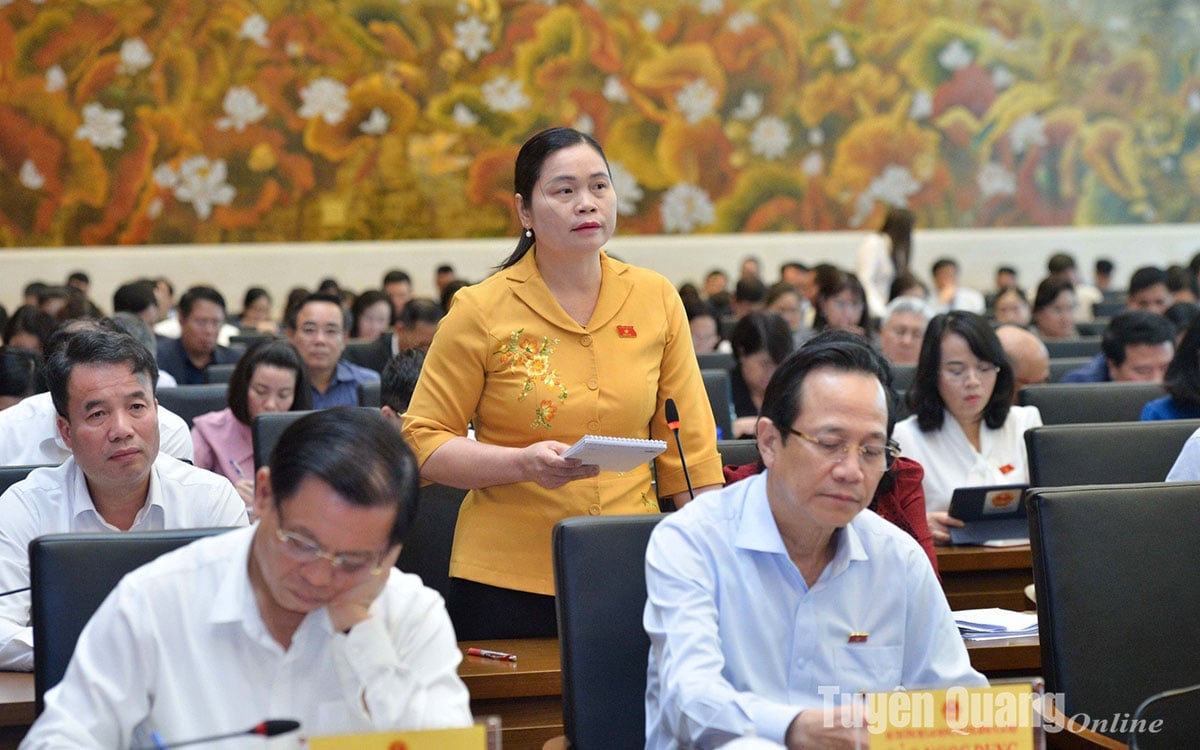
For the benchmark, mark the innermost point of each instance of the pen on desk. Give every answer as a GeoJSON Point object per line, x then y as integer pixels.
{"type": "Point", "coordinates": [489, 654]}
{"type": "Point", "coordinates": [241, 474]}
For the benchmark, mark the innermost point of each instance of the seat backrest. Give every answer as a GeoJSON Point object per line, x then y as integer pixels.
{"type": "Point", "coordinates": [70, 575]}
{"type": "Point", "coordinates": [430, 539]}
{"type": "Point", "coordinates": [720, 399]}
{"type": "Point", "coordinates": [10, 475]}
{"type": "Point", "coordinates": [190, 401]}
{"type": "Point", "coordinates": [738, 452]}
{"type": "Point", "coordinates": [1061, 366]}
{"type": "Point", "coordinates": [1080, 347]}
{"type": "Point", "coordinates": [715, 360]}
{"type": "Point", "coordinates": [219, 373]}
{"type": "Point", "coordinates": [369, 393]}
{"type": "Point", "coordinates": [266, 430]}
{"type": "Point", "coordinates": [1118, 614]}
{"type": "Point", "coordinates": [1106, 452]}
{"type": "Point", "coordinates": [1071, 403]}
{"type": "Point", "coordinates": [902, 378]}
{"type": "Point", "coordinates": [600, 582]}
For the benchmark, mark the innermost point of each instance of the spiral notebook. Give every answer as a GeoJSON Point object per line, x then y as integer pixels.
{"type": "Point", "coordinates": [613, 453]}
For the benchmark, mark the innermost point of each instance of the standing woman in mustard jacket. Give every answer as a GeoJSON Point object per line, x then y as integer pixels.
{"type": "Point", "coordinates": [560, 342]}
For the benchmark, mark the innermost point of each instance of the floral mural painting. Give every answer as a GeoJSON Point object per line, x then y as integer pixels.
{"type": "Point", "coordinates": [172, 121]}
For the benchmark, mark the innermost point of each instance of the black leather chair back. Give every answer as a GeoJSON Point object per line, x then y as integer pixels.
{"type": "Point", "coordinates": [265, 432]}
{"type": "Point", "coordinates": [426, 551]}
{"type": "Point", "coordinates": [1061, 366]}
{"type": "Point", "coordinates": [1081, 347]}
{"type": "Point", "coordinates": [70, 575]}
{"type": "Point", "coordinates": [738, 452]}
{"type": "Point", "coordinates": [600, 583]}
{"type": "Point", "coordinates": [1071, 403]}
{"type": "Point", "coordinates": [10, 475]}
{"type": "Point", "coordinates": [1118, 611]}
{"type": "Point", "coordinates": [190, 401]}
{"type": "Point", "coordinates": [219, 373]}
{"type": "Point", "coordinates": [715, 360]}
{"type": "Point", "coordinates": [1106, 452]}
{"type": "Point", "coordinates": [369, 393]}
{"type": "Point", "coordinates": [720, 399]}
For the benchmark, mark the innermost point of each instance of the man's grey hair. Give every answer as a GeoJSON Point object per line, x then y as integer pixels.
{"type": "Point", "coordinates": [909, 305]}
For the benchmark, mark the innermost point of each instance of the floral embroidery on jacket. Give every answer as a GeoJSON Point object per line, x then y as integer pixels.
{"type": "Point", "coordinates": [531, 356]}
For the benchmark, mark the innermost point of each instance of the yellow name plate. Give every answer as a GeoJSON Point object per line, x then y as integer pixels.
{"type": "Point", "coordinates": [1002, 717]}
{"type": "Point", "coordinates": [469, 738]}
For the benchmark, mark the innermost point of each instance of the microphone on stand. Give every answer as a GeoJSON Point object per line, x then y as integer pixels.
{"type": "Point", "coordinates": [673, 425]}
{"type": "Point", "coordinates": [268, 728]}
{"type": "Point", "coordinates": [11, 592]}
{"type": "Point", "coordinates": [1137, 715]}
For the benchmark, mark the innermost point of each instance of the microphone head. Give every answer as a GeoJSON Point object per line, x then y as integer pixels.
{"type": "Point", "coordinates": [672, 414]}
{"type": "Point", "coordinates": [273, 727]}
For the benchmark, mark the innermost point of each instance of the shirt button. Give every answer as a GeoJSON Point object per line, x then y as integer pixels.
{"type": "Point", "coordinates": [585, 339]}
{"type": "Point", "coordinates": [593, 384]}
{"type": "Point", "coordinates": [593, 425]}
{"type": "Point", "coordinates": [594, 509]}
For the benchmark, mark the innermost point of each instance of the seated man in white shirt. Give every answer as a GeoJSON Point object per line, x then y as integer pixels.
{"type": "Point", "coordinates": [29, 432]}
{"type": "Point", "coordinates": [774, 600]}
{"type": "Point", "coordinates": [300, 616]}
{"type": "Point", "coordinates": [116, 479]}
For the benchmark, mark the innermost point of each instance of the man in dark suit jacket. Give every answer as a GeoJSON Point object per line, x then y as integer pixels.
{"type": "Point", "coordinates": [201, 315]}
{"type": "Point", "coordinates": [413, 329]}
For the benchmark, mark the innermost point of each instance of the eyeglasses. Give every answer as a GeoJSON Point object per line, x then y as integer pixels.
{"type": "Point", "coordinates": [304, 551]}
{"type": "Point", "coordinates": [961, 372]}
{"type": "Point", "coordinates": [874, 456]}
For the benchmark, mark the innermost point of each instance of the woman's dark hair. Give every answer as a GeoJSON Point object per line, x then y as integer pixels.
{"type": "Point", "coordinates": [20, 372]}
{"type": "Point", "coordinates": [1182, 315]}
{"type": "Point", "coordinates": [31, 320]}
{"type": "Point", "coordinates": [1048, 291]}
{"type": "Point", "coordinates": [925, 401]}
{"type": "Point", "coordinates": [831, 282]}
{"type": "Point", "coordinates": [529, 169]}
{"type": "Point", "coordinates": [761, 331]}
{"type": "Point", "coordinates": [254, 294]}
{"type": "Point", "coordinates": [362, 303]}
{"type": "Point", "coordinates": [1182, 380]}
{"type": "Point", "coordinates": [904, 281]}
{"type": "Point", "coordinates": [277, 353]}
{"type": "Point", "coordinates": [357, 453]}
{"type": "Point", "coordinates": [898, 226]}
{"type": "Point", "coordinates": [449, 291]}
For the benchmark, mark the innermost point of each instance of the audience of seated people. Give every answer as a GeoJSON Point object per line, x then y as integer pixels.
{"type": "Point", "coordinates": [949, 294]}
{"type": "Point", "coordinates": [965, 429]}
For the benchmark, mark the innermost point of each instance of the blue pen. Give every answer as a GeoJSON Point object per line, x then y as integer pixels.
{"type": "Point", "coordinates": [158, 741]}
{"type": "Point", "coordinates": [237, 468]}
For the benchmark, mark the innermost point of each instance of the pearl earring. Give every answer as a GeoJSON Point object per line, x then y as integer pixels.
{"type": "Point", "coordinates": [528, 232]}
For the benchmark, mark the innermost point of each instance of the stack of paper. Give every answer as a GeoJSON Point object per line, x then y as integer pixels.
{"type": "Point", "coordinates": [995, 623]}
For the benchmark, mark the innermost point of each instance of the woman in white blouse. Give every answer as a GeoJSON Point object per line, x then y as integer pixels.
{"type": "Point", "coordinates": [963, 429]}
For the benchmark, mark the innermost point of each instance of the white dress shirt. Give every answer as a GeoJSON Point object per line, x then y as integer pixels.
{"type": "Point", "coordinates": [1187, 465]}
{"type": "Point", "coordinates": [876, 271]}
{"type": "Point", "coordinates": [179, 648]}
{"type": "Point", "coordinates": [964, 299]}
{"type": "Point", "coordinates": [29, 434]}
{"type": "Point", "coordinates": [738, 640]}
{"type": "Point", "coordinates": [56, 500]}
{"type": "Point", "coordinates": [950, 461]}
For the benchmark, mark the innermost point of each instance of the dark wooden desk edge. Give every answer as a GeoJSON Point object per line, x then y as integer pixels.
{"type": "Point", "coordinates": [967, 559]}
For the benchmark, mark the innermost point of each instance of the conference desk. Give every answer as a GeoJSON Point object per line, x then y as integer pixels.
{"type": "Point", "coordinates": [525, 694]}
{"type": "Point", "coordinates": [979, 577]}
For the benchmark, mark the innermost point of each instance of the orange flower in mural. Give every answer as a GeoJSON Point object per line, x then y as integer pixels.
{"type": "Point", "coordinates": [128, 121]}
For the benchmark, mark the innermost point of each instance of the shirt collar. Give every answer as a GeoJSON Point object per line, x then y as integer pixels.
{"type": "Point", "coordinates": [80, 503]}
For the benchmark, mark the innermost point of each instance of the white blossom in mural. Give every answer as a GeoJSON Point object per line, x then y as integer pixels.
{"type": "Point", "coordinates": [750, 106]}
{"type": "Point", "coordinates": [30, 177]}
{"type": "Point", "coordinates": [685, 208]}
{"type": "Point", "coordinates": [463, 116]}
{"type": "Point", "coordinates": [770, 138]}
{"type": "Point", "coordinates": [202, 183]}
{"type": "Point", "coordinates": [956, 55]}
{"type": "Point", "coordinates": [625, 185]}
{"type": "Point", "coordinates": [135, 56]}
{"type": "Point", "coordinates": [56, 79]}
{"type": "Point", "coordinates": [324, 98]}
{"type": "Point", "coordinates": [472, 37]}
{"type": "Point", "coordinates": [696, 100]}
{"type": "Point", "coordinates": [503, 94]}
{"type": "Point", "coordinates": [242, 108]}
{"type": "Point", "coordinates": [102, 127]}
{"type": "Point", "coordinates": [995, 179]}
{"type": "Point", "coordinates": [376, 123]}
{"type": "Point", "coordinates": [614, 91]}
{"type": "Point", "coordinates": [842, 56]}
{"type": "Point", "coordinates": [254, 28]}
{"type": "Point", "coordinates": [1030, 130]}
